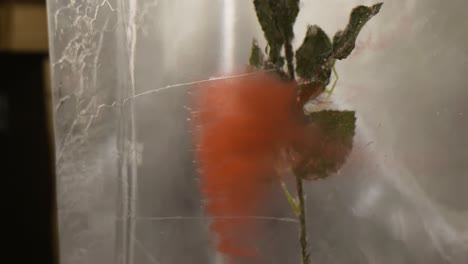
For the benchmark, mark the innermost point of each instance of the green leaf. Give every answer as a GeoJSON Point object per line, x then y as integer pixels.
{"type": "Point", "coordinates": [256, 55]}
{"type": "Point", "coordinates": [344, 41]}
{"type": "Point", "coordinates": [313, 53]}
{"type": "Point", "coordinates": [292, 202]}
{"type": "Point", "coordinates": [277, 18]}
{"type": "Point", "coordinates": [336, 132]}
{"type": "Point", "coordinates": [339, 125]}
{"type": "Point", "coordinates": [266, 18]}
{"type": "Point", "coordinates": [285, 13]}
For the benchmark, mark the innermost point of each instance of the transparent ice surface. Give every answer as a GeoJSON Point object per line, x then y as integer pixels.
{"type": "Point", "coordinates": [127, 188]}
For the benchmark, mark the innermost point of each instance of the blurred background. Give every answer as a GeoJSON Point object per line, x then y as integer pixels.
{"type": "Point", "coordinates": [126, 184]}
{"type": "Point", "coordinates": [26, 135]}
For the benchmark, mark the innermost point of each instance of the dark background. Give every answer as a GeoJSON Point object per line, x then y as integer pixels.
{"type": "Point", "coordinates": [28, 156]}
{"type": "Point", "coordinates": [26, 140]}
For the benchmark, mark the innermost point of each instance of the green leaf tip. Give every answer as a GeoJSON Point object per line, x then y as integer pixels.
{"type": "Point", "coordinates": [277, 18]}
{"type": "Point", "coordinates": [256, 55]}
{"type": "Point", "coordinates": [345, 41]}
{"type": "Point", "coordinates": [313, 53]}
{"type": "Point", "coordinates": [285, 12]}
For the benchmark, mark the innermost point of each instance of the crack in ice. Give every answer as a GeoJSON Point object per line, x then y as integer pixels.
{"type": "Point", "coordinates": [264, 218]}
{"type": "Point", "coordinates": [157, 90]}
{"type": "Point", "coordinates": [146, 251]}
{"type": "Point", "coordinates": [113, 105]}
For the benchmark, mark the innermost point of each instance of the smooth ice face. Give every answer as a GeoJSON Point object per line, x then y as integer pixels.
{"type": "Point", "coordinates": [127, 186]}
